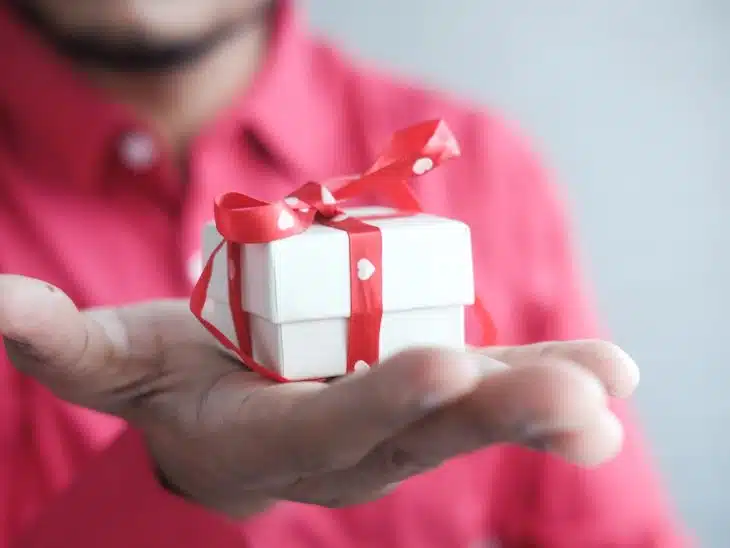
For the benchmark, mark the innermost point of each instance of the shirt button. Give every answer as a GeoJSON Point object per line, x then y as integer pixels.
{"type": "Point", "coordinates": [138, 151]}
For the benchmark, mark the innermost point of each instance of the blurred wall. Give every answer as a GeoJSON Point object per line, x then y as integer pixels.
{"type": "Point", "coordinates": [630, 101]}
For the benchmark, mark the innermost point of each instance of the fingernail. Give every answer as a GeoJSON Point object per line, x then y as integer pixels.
{"type": "Point", "coordinates": [633, 372]}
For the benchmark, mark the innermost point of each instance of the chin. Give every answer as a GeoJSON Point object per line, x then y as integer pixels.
{"type": "Point", "coordinates": [159, 20]}
{"type": "Point", "coordinates": [141, 35]}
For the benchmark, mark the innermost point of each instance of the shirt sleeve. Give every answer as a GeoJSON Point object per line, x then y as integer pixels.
{"type": "Point", "coordinates": [117, 502]}
{"type": "Point", "coordinates": [622, 503]}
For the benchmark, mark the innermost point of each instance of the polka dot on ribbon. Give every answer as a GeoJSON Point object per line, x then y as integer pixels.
{"type": "Point", "coordinates": [422, 165]}
{"type": "Point", "coordinates": [285, 221]}
{"type": "Point", "coordinates": [296, 203]}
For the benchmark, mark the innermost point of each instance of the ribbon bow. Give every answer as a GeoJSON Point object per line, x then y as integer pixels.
{"type": "Point", "coordinates": [241, 220]}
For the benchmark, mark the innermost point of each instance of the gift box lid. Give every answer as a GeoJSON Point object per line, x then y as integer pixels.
{"type": "Point", "coordinates": [426, 263]}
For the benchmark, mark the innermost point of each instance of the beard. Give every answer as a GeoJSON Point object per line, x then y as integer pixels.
{"type": "Point", "coordinates": [134, 51]}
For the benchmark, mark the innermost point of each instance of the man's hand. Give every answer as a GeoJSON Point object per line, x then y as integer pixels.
{"type": "Point", "coordinates": [234, 442]}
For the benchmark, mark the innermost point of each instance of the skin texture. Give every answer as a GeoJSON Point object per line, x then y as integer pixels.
{"type": "Point", "coordinates": [333, 444]}
{"type": "Point", "coordinates": [152, 364]}
{"type": "Point", "coordinates": [162, 23]}
{"type": "Point", "coordinates": [175, 63]}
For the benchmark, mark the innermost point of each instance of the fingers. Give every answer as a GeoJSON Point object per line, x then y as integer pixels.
{"type": "Point", "coordinates": [550, 396]}
{"type": "Point", "coordinates": [279, 435]}
{"type": "Point", "coordinates": [335, 427]}
{"type": "Point", "coordinates": [105, 359]}
{"type": "Point", "coordinates": [614, 367]}
{"type": "Point", "coordinates": [46, 336]}
{"type": "Point", "coordinates": [598, 441]}
{"type": "Point", "coordinates": [555, 406]}
{"type": "Point", "coordinates": [523, 405]}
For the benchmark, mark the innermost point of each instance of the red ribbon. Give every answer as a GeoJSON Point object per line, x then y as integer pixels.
{"type": "Point", "coordinates": [242, 220]}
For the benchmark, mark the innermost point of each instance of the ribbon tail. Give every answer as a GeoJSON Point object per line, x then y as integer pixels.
{"type": "Point", "coordinates": [488, 328]}
{"type": "Point", "coordinates": [197, 302]}
{"type": "Point", "coordinates": [200, 295]}
{"type": "Point", "coordinates": [200, 291]}
{"type": "Point", "coordinates": [403, 198]}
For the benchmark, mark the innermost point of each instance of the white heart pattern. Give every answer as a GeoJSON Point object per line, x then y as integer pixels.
{"type": "Point", "coordinates": [285, 221]}
{"type": "Point", "coordinates": [339, 218]}
{"type": "Point", "coordinates": [365, 269]}
{"type": "Point", "coordinates": [422, 165]}
{"type": "Point", "coordinates": [231, 269]}
{"type": "Point", "coordinates": [361, 366]}
{"type": "Point", "coordinates": [296, 203]}
{"type": "Point", "coordinates": [327, 198]}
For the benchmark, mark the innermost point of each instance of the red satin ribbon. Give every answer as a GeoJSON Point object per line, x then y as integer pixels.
{"type": "Point", "coordinates": [242, 220]}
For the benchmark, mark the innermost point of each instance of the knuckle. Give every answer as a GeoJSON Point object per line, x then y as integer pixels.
{"type": "Point", "coordinates": [396, 463]}
{"type": "Point", "coordinates": [420, 363]}
{"type": "Point", "coordinates": [416, 372]}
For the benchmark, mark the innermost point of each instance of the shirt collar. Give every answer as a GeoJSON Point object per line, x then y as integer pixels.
{"type": "Point", "coordinates": [57, 121]}
{"type": "Point", "coordinates": [292, 107]}
{"type": "Point", "coordinates": [60, 121]}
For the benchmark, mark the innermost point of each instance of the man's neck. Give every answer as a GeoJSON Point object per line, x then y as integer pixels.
{"type": "Point", "coordinates": [180, 104]}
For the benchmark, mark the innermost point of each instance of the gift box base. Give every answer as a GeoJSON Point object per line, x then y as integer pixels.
{"type": "Point", "coordinates": [318, 348]}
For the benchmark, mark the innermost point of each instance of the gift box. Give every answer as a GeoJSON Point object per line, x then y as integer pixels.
{"type": "Point", "coordinates": [306, 288]}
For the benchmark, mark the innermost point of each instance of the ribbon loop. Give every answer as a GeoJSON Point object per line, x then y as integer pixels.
{"type": "Point", "coordinates": [242, 219]}
{"type": "Point", "coordinates": [317, 196]}
{"type": "Point", "coordinates": [412, 152]}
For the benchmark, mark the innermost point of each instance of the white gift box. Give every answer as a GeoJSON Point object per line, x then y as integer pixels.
{"type": "Point", "coordinates": [296, 291]}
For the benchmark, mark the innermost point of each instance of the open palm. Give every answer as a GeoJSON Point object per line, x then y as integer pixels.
{"type": "Point", "coordinates": [235, 442]}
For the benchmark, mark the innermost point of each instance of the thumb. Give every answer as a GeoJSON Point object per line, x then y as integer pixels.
{"type": "Point", "coordinates": [74, 354]}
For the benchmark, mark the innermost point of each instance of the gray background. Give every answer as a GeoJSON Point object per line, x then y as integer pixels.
{"type": "Point", "coordinates": [630, 100]}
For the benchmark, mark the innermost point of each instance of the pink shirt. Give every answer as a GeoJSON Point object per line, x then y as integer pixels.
{"type": "Point", "coordinates": [90, 202]}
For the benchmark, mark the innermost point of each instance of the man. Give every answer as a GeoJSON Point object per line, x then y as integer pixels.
{"type": "Point", "coordinates": [120, 121]}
